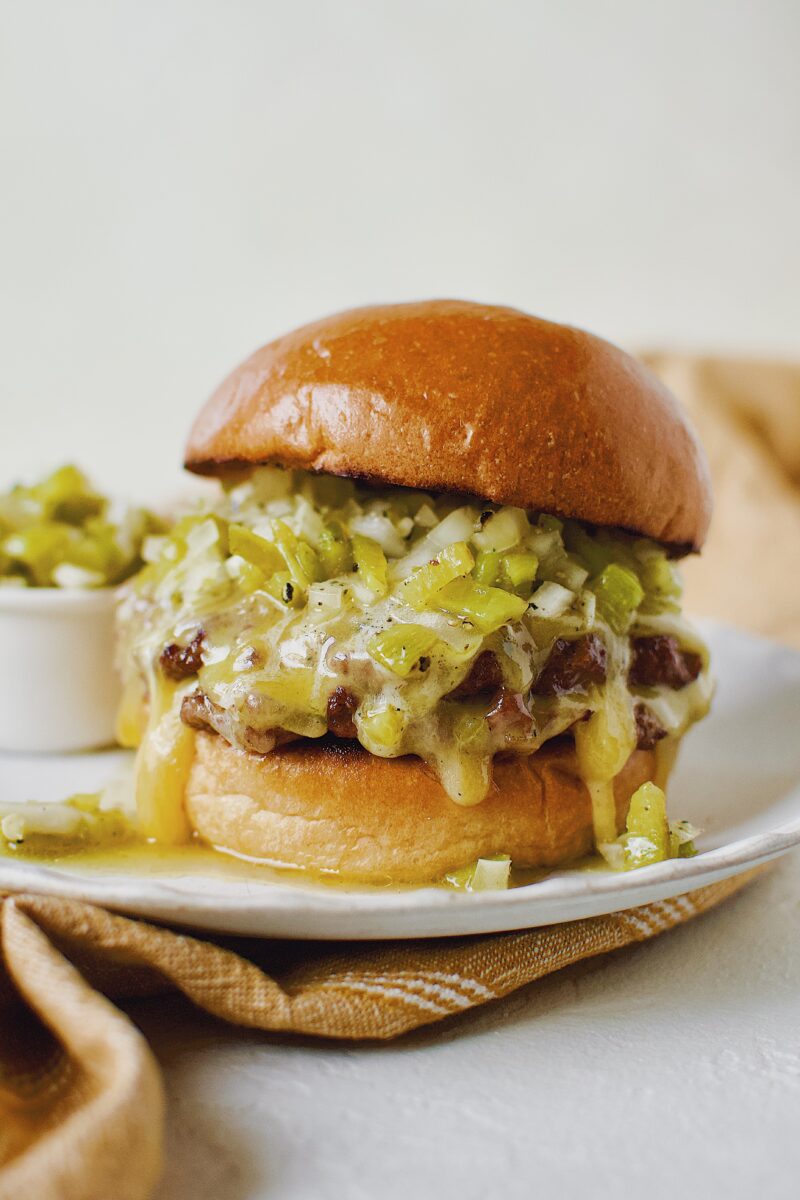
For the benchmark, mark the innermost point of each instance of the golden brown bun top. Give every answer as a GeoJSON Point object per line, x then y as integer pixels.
{"type": "Point", "coordinates": [451, 396]}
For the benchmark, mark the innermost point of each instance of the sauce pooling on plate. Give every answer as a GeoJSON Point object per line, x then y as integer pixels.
{"type": "Point", "coordinates": [80, 836]}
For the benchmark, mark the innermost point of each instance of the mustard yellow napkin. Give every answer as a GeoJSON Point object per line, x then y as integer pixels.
{"type": "Point", "coordinates": [80, 1093]}
{"type": "Point", "coordinates": [748, 416]}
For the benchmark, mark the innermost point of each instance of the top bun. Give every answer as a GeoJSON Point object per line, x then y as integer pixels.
{"type": "Point", "coordinates": [446, 395]}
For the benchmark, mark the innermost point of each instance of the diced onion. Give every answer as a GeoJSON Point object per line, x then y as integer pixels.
{"type": "Point", "coordinates": [382, 531]}
{"type": "Point", "coordinates": [543, 542]}
{"type": "Point", "coordinates": [484, 875]}
{"type": "Point", "coordinates": [264, 486]}
{"type": "Point", "coordinates": [551, 600]}
{"type": "Point", "coordinates": [684, 832]}
{"type": "Point", "coordinates": [613, 853]}
{"type": "Point", "coordinates": [571, 575]}
{"type": "Point", "coordinates": [203, 536]}
{"type": "Point", "coordinates": [457, 527]}
{"type": "Point", "coordinates": [307, 523]}
{"type": "Point", "coordinates": [588, 604]}
{"type": "Point", "coordinates": [425, 516]}
{"type": "Point", "coordinates": [503, 530]}
{"type": "Point", "coordinates": [154, 546]}
{"type": "Point", "coordinates": [56, 820]}
{"type": "Point", "coordinates": [491, 875]}
{"type": "Point", "coordinates": [67, 575]}
{"type": "Point", "coordinates": [326, 598]}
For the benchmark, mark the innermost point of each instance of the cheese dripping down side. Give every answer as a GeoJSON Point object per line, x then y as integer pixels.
{"type": "Point", "coordinates": [296, 586]}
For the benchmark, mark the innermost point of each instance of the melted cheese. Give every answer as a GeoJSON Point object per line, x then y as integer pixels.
{"type": "Point", "coordinates": [604, 810]}
{"type": "Point", "coordinates": [273, 662]}
{"type": "Point", "coordinates": [131, 720]}
{"type": "Point", "coordinates": [163, 762]}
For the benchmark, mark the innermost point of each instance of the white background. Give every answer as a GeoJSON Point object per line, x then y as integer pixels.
{"type": "Point", "coordinates": [184, 179]}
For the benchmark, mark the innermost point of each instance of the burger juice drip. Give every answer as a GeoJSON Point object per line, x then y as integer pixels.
{"type": "Point", "coordinates": [304, 606]}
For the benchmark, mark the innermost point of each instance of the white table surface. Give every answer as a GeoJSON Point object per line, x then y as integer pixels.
{"type": "Point", "coordinates": [671, 1069]}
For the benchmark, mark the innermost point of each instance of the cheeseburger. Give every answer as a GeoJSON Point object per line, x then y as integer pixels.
{"type": "Point", "coordinates": [433, 616]}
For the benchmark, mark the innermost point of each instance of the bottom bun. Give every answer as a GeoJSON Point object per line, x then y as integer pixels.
{"type": "Point", "coordinates": [332, 806]}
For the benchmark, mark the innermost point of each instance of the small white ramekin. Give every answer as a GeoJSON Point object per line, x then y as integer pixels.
{"type": "Point", "coordinates": [58, 687]}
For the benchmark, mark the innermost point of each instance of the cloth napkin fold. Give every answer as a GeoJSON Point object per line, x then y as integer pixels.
{"type": "Point", "coordinates": [747, 414]}
{"type": "Point", "coordinates": [81, 1102]}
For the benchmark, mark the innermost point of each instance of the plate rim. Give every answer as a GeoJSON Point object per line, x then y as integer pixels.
{"type": "Point", "coordinates": [573, 884]}
{"type": "Point", "coordinates": [346, 912]}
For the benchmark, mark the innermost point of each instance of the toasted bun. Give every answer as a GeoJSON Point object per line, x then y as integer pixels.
{"type": "Point", "coordinates": [451, 396]}
{"type": "Point", "coordinates": [335, 807]}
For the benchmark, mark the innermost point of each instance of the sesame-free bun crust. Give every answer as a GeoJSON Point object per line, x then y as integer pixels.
{"type": "Point", "coordinates": [335, 807]}
{"type": "Point", "coordinates": [451, 396]}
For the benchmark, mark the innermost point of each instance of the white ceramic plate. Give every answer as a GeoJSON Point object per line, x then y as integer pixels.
{"type": "Point", "coordinates": [738, 778]}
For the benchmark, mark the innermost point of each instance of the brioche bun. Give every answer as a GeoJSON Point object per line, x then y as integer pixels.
{"type": "Point", "coordinates": [451, 396]}
{"type": "Point", "coordinates": [462, 398]}
{"type": "Point", "coordinates": [332, 806]}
